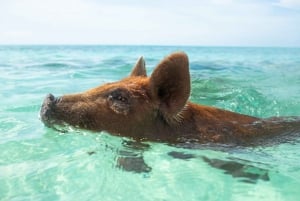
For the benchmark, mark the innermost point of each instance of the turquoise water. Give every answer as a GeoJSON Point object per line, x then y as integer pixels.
{"type": "Point", "coordinates": [38, 163]}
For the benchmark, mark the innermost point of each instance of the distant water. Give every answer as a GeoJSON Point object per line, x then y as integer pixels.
{"type": "Point", "coordinates": [37, 163]}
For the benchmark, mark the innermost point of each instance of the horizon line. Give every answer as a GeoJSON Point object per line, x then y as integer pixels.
{"type": "Point", "coordinates": [153, 45]}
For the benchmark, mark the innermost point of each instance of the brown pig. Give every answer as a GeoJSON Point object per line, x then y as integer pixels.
{"type": "Point", "coordinates": [156, 108]}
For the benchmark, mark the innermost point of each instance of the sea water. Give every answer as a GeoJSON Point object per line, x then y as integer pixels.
{"type": "Point", "coordinates": [39, 163]}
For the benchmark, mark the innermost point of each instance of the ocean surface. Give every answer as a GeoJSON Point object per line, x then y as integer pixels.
{"type": "Point", "coordinates": [39, 163]}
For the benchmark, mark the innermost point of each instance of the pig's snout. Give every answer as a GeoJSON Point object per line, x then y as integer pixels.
{"type": "Point", "coordinates": [48, 109]}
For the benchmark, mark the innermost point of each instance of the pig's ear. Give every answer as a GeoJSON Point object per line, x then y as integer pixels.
{"type": "Point", "coordinates": [170, 84]}
{"type": "Point", "coordinates": [139, 69]}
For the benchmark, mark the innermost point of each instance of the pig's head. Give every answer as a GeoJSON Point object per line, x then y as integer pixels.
{"type": "Point", "coordinates": [127, 107]}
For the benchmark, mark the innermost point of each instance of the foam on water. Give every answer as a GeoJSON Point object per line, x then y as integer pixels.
{"type": "Point", "coordinates": [38, 163]}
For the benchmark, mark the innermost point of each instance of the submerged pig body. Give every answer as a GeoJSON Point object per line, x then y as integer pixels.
{"type": "Point", "coordinates": [156, 108]}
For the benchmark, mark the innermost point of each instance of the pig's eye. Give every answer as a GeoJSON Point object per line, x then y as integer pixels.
{"type": "Point", "coordinates": [121, 98]}
{"type": "Point", "coordinates": [118, 95]}
{"type": "Point", "coordinates": [119, 101]}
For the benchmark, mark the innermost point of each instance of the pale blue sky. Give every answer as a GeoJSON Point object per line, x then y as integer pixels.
{"type": "Point", "coordinates": [151, 22]}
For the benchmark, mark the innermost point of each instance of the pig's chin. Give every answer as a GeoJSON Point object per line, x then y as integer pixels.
{"type": "Point", "coordinates": [62, 126]}
{"type": "Point", "coordinates": [65, 128]}
{"type": "Point", "coordinates": [58, 125]}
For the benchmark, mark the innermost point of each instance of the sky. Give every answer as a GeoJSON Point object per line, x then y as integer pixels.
{"type": "Point", "coordinates": [151, 22]}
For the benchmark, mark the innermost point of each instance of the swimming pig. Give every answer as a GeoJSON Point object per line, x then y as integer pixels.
{"type": "Point", "coordinates": [156, 108]}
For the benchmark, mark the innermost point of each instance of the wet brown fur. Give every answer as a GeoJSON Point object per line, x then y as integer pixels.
{"type": "Point", "coordinates": [156, 108]}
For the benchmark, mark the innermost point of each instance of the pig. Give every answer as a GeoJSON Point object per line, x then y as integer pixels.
{"type": "Point", "coordinates": [157, 108]}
